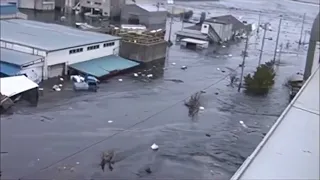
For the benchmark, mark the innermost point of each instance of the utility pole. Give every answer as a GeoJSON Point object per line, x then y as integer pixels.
{"type": "Point", "coordinates": [277, 41]}
{"type": "Point", "coordinates": [171, 22]}
{"type": "Point", "coordinates": [245, 54]}
{"type": "Point", "coordinates": [303, 19]}
{"type": "Point", "coordinates": [182, 22]}
{"type": "Point", "coordinates": [280, 52]}
{"type": "Point", "coordinates": [259, 22]}
{"type": "Point", "coordinates": [262, 45]}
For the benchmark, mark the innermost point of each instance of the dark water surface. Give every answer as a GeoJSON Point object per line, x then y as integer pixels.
{"type": "Point", "coordinates": [64, 137]}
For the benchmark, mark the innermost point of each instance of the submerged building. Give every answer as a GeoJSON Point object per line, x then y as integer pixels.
{"type": "Point", "coordinates": [45, 50]}
{"type": "Point", "coordinates": [151, 16]}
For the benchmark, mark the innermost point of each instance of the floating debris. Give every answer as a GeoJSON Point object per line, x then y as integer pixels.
{"type": "Point", "coordinates": [223, 71]}
{"type": "Point", "coordinates": [193, 104]}
{"type": "Point", "coordinates": [230, 55]}
{"type": "Point", "coordinates": [154, 147]}
{"type": "Point", "coordinates": [38, 159]}
{"type": "Point", "coordinates": [64, 167]}
{"type": "Point", "coordinates": [149, 75]}
{"type": "Point", "coordinates": [148, 170]}
{"type": "Point", "coordinates": [173, 63]}
{"type": "Point", "coordinates": [106, 158]}
{"type": "Point", "coordinates": [243, 124]}
{"type": "Point", "coordinates": [110, 121]}
{"type": "Point", "coordinates": [77, 163]}
{"type": "Point", "coordinates": [60, 85]}
{"type": "Point", "coordinates": [201, 108]}
{"type": "Point", "coordinates": [58, 89]}
{"type": "Point", "coordinates": [40, 89]}
{"type": "Point", "coordinates": [120, 80]}
{"type": "Point", "coordinates": [184, 67]}
{"type": "Point", "coordinates": [223, 46]}
{"type": "Point", "coordinates": [135, 74]}
{"type": "Point", "coordinates": [218, 69]}
{"type": "Point", "coordinates": [174, 80]}
{"type": "Point", "coordinates": [61, 79]}
{"type": "Point", "coordinates": [208, 135]}
{"type": "Point", "coordinates": [72, 169]}
{"type": "Point", "coordinates": [216, 93]}
{"type": "Point", "coordinates": [203, 91]}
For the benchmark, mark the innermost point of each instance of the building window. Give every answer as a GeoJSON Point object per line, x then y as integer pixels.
{"type": "Point", "coordinates": [108, 44]}
{"type": "Point", "coordinates": [93, 47]}
{"type": "Point", "coordinates": [73, 51]}
{"type": "Point", "coordinates": [97, 3]}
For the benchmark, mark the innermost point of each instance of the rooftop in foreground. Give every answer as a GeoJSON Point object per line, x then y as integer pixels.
{"type": "Point", "coordinates": [291, 148]}
{"type": "Point", "coordinates": [48, 37]}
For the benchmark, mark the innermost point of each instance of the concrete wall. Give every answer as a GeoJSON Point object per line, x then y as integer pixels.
{"type": "Point", "coordinates": [143, 53]}
{"type": "Point", "coordinates": [27, 4]}
{"type": "Point", "coordinates": [314, 38]}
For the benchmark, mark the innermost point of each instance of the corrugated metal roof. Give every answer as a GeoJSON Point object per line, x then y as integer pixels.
{"type": "Point", "coordinates": [46, 36]}
{"type": "Point", "coordinates": [14, 85]}
{"type": "Point", "coordinates": [16, 57]}
{"type": "Point", "coordinates": [103, 66]}
{"type": "Point", "coordinates": [150, 7]}
{"type": "Point", "coordinates": [9, 69]}
{"type": "Point", "coordinates": [291, 148]}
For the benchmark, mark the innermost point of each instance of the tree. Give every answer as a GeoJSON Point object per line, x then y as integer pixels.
{"type": "Point", "coordinates": [261, 81]}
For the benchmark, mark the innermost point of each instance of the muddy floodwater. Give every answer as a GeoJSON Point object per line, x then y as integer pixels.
{"type": "Point", "coordinates": [66, 135]}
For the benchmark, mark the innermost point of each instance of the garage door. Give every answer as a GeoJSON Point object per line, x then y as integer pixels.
{"type": "Point", "coordinates": [56, 70]}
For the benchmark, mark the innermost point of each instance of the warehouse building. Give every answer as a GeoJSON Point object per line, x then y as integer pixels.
{"type": "Point", "coordinates": [151, 16]}
{"type": "Point", "coordinates": [60, 47]}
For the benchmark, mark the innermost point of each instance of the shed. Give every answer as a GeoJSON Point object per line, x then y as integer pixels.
{"type": "Point", "coordinates": [14, 62]}
{"type": "Point", "coordinates": [153, 17]}
{"type": "Point", "coordinates": [20, 85]}
{"type": "Point", "coordinates": [104, 66]}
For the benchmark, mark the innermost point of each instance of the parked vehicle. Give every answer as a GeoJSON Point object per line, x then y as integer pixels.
{"type": "Point", "coordinates": [89, 83]}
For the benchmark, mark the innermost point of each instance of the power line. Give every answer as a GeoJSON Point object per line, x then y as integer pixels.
{"type": "Point", "coordinates": [125, 130]}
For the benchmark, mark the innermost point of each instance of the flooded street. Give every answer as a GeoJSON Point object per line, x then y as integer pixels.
{"type": "Point", "coordinates": [63, 138]}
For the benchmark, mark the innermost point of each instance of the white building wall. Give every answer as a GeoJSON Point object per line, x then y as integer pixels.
{"type": "Point", "coordinates": [64, 58]}
{"type": "Point", "coordinates": [316, 58]}
{"type": "Point", "coordinates": [27, 4]}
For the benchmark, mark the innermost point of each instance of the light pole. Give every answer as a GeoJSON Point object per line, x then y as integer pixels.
{"type": "Point", "coordinates": [277, 41]}
{"type": "Point", "coordinates": [303, 19]}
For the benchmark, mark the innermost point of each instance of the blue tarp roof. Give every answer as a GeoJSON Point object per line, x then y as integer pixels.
{"type": "Point", "coordinates": [103, 66]}
{"type": "Point", "coordinates": [9, 69]}
{"type": "Point", "coordinates": [16, 57]}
